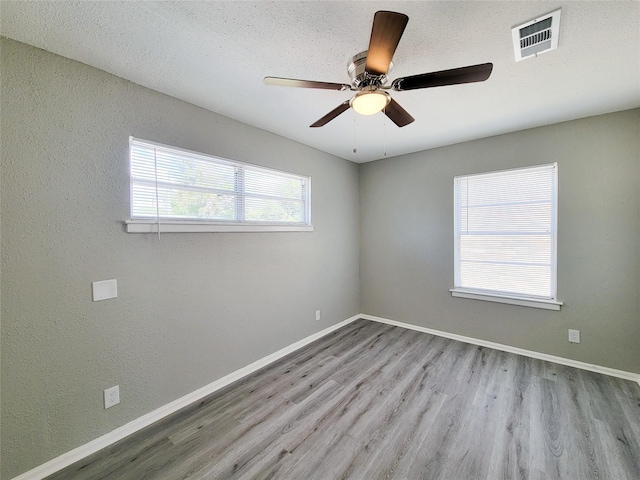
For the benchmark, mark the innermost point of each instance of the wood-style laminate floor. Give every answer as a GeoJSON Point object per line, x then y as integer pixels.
{"type": "Point", "coordinates": [373, 401]}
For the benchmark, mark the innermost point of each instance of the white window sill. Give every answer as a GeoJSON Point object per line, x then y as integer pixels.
{"type": "Point", "coordinates": [142, 226]}
{"type": "Point", "coordinates": [512, 300]}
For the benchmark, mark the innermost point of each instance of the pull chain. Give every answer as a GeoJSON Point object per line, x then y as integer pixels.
{"type": "Point", "coordinates": [355, 150]}
{"type": "Point", "coordinates": [384, 133]}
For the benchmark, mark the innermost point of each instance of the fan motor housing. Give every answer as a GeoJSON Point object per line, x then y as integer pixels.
{"type": "Point", "coordinates": [359, 77]}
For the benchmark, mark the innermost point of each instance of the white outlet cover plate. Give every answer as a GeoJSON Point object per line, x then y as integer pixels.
{"type": "Point", "coordinates": [104, 289]}
{"type": "Point", "coordinates": [574, 336]}
{"type": "Point", "coordinates": [111, 396]}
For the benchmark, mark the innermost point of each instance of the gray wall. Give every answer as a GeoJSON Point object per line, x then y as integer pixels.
{"type": "Point", "coordinates": [406, 245]}
{"type": "Point", "coordinates": [191, 307]}
{"type": "Point", "coordinates": [194, 307]}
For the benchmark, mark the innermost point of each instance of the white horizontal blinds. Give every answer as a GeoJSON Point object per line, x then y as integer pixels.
{"type": "Point", "coordinates": [273, 197]}
{"type": "Point", "coordinates": [173, 184]}
{"type": "Point", "coordinates": [189, 186]}
{"type": "Point", "coordinates": [505, 231]}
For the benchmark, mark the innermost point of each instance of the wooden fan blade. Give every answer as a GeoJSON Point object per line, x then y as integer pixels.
{"type": "Point", "coordinates": [455, 76]}
{"type": "Point", "coordinates": [331, 115]}
{"type": "Point", "coordinates": [385, 35]}
{"type": "Point", "coordinates": [397, 114]}
{"type": "Point", "coordinates": [292, 82]}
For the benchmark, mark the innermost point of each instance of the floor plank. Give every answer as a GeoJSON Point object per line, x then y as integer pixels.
{"type": "Point", "coordinates": [373, 401]}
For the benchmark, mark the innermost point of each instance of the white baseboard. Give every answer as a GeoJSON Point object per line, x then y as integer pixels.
{"type": "Point", "coordinates": [66, 459]}
{"type": "Point", "coordinates": [507, 348]}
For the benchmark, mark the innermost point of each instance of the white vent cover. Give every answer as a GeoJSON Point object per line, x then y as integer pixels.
{"type": "Point", "coordinates": [536, 36]}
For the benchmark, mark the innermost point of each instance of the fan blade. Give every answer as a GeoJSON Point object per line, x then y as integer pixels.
{"type": "Point", "coordinates": [292, 82]}
{"type": "Point", "coordinates": [397, 114]}
{"type": "Point", "coordinates": [343, 107]}
{"type": "Point", "coordinates": [385, 35]}
{"type": "Point", "coordinates": [455, 76]}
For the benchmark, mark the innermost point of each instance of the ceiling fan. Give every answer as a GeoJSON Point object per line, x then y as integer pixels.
{"type": "Point", "coordinates": [368, 72]}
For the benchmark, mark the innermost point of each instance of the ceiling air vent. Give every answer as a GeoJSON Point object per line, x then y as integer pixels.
{"type": "Point", "coordinates": [536, 36]}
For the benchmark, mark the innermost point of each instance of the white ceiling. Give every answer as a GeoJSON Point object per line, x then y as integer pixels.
{"type": "Point", "coordinates": [215, 54]}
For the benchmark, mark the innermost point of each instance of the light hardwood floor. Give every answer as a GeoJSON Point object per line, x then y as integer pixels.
{"type": "Point", "coordinates": [373, 401]}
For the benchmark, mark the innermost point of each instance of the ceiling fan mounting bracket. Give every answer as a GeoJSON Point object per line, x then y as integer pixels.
{"type": "Point", "coordinates": [360, 77]}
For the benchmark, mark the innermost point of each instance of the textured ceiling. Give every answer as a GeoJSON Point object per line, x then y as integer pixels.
{"type": "Point", "coordinates": [215, 54]}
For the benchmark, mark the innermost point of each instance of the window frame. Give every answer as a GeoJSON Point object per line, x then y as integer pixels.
{"type": "Point", "coordinates": [165, 224]}
{"type": "Point", "coordinates": [527, 300]}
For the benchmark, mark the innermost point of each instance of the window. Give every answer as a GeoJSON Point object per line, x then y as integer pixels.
{"type": "Point", "coordinates": [177, 190]}
{"type": "Point", "coordinates": [505, 236]}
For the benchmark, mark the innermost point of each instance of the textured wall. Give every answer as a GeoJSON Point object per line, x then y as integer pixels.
{"type": "Point", "coordinates": [406, 248]}
{"type": "Point", "coordinates": [191, 307]}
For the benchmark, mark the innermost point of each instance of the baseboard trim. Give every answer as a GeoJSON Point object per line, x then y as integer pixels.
{"type": "Point", "coordinates": [507, 348]}
{"type": "Point", "coordinates": [68, 458]}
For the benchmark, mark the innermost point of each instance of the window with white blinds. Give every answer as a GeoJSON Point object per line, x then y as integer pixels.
{"type": "Point", "coordinates": [505, 236]}
{"type": "Point", "coordinates": [172, 187]}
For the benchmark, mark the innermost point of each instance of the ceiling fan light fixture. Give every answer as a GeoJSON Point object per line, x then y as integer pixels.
{"type": "Point", "coordinates": [368, 71]}
{"type": "Point", "coordinates": [370, 102]}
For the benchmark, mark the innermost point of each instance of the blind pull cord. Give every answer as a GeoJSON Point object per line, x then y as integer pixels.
{"type": "Point", "coordinates": [155, 172]}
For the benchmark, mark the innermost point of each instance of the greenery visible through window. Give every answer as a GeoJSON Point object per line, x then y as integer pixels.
{"type": "Point", "coordinates": [177, 185]}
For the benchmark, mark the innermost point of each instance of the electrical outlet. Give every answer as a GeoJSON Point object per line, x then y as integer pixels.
{"type": "Point", "coordinates": [111, 396]}
{"type": "Point", "coordinates": [574, 336]}
{"type": "Point", "coordinates": [317, 315]}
